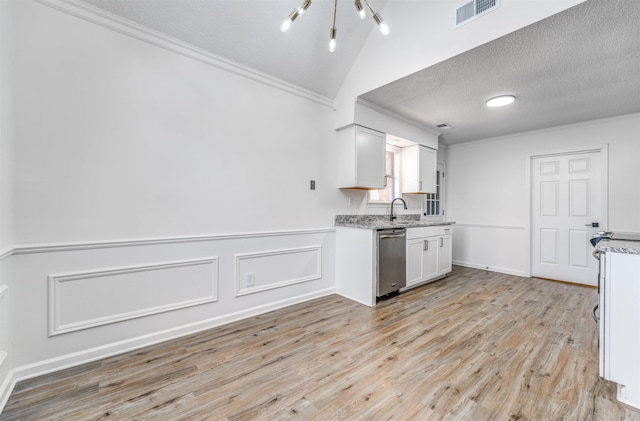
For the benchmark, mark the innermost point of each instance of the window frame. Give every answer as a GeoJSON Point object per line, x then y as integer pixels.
{"type": "Point", "coordinates": [395, 177]}
{"type": "Point", "coordinates": [439, 195]}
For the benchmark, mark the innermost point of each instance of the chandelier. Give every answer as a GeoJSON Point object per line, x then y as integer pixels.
{"type": "Point", "coordinates": [299, 11]}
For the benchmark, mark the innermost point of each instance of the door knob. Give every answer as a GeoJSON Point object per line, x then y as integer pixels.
{"type": "Point", "coordinates": [592, 225]}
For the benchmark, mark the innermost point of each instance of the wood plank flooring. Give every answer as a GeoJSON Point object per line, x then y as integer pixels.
{"type": "Point", "coordinates": [474, 346]}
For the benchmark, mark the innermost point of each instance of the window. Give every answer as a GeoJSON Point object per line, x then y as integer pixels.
{"type": "Point", "coordinates": [433, 201]}
{"type": "Point", "coordinates": [392, 177]}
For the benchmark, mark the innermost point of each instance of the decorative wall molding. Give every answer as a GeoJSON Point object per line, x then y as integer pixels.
{"type": "Point", "coordinates": [77, 358]}
{"type": "Point", "coordinates": [80, 314]}
{"type": "Point", "coordinates": [491, 226]}
{"type": "Point", "coordinates": [115, 23]}
{"type": "Point", "coordinates": [7, 387]}
{"type": "Point", "coordinates": [49, 248]}
{"type": "Point", "coordinates": [6, 253]}
{"type": "Point", "coordinates": [284, 261]}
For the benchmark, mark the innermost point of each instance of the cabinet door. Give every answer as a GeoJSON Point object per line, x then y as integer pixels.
{"type": "Point", "coordinates": [428, 168]}
{"type": "Point", "coordinates": [444, 255]}
{"type": "Point", "coordinates": [370, 158]}
{"type": "Point", "coordinates": [419, 166]}
{"type": "Point", "coordinates": [415, 261]}
{"type": "Point", "coordinates": [431, 257]}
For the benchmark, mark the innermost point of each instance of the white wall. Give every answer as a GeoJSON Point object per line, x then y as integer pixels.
{"type": "Point", "coordinates": [6, 195]}
{"type": "Point", "coordinates": [150, 185]}
{"type": "Point", "coordinates": [117, 139]}
{"type": "Point", "coordinates": [422, 35]}
{"type": "Point", "coordinates": [487, 191]}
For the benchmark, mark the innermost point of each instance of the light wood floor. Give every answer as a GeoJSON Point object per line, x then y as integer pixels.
{"type": "Point", "coordinates": [475, 346]}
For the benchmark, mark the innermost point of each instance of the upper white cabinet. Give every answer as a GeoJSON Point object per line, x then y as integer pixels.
{"type": "Point", "coordinates": [419, 166]}
{"type": "Point", "coordinates": [361, 158]}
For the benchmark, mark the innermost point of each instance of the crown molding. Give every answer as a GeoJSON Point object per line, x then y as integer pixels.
{"type": "Point", "coordinates": [126, 27]}
{"type": "Point", "coordinates": [397, 116]}
{"type": "Point", "coordinates": [508, 137]}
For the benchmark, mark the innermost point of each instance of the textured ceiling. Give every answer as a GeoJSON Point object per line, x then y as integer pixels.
{"type": "Point", "coordinates": [578, 65]}
{"type": "Point", "coordinates": [248, 32]}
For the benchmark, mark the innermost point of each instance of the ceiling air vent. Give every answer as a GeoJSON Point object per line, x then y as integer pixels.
{"type": "Point", "coordinates": [473, 9]}
{"type": "Point", "coordinates": [443, 126]}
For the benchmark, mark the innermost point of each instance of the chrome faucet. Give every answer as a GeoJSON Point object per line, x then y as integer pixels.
{"type": "Point", "coordinates": [391, 215]}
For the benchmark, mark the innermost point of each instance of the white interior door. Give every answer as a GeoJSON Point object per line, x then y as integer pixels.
{"type": "Point", "coordinates": [567, 197]}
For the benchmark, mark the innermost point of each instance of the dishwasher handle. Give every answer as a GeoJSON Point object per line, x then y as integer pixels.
{"type": "Point", "coordinates": [392, 235]}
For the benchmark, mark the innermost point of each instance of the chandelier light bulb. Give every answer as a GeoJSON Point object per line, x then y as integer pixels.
{"type": "Point", "coordinates": [332, 39]}
{"type": "Point", "coordinates": [361, 12]}
{"type": "Point", "coordinates": [303, 8]}
{"type": "Point", "coordinates": [384, 29]}
{"type": "Point", "coordinates": [285, 25]}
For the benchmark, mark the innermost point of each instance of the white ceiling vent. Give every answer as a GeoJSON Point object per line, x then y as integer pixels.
{"type": "Point", "coordinates": [472, 10]}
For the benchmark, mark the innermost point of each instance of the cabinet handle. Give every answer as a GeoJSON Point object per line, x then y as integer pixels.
{"type": "Point", "coordinates": [425, 245]}
{"type": "Point", "coordinates": [420, 189]}
{"type": "Point", "coordinates": [441, 241]}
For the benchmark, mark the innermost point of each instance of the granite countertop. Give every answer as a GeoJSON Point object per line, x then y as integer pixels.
{"type": "Point", "coordinates": [382, 221]}
{"type": "Point", "coordinates": [619, 246]}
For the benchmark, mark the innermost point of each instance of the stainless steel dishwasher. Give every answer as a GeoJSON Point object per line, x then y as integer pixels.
{"type": "Point", "coordinates": [392, 252]}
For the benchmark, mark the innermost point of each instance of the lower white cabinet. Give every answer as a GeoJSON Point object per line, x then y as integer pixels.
{"type": "Point", "coordinates": [619, 332]}
{"type": "Point", "coordinates": [444, 254]}
{"type": "Point", "coordinates": [428, 254]}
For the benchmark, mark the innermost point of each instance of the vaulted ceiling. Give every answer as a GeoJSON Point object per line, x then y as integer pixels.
{"type": "Point", "coordinates": [248, 32]}
{"type": "Point", "coordinates": [580, 64]}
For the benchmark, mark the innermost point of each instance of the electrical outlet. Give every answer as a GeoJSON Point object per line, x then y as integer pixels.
{"type": "Point", "coordinates": [312, 184]}
{"type": "Point", "coordinates": [251, 279]}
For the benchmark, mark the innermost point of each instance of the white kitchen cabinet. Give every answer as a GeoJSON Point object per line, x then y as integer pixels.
{"type": "Point", "coordinates": [428, 254]}
{"type": "Point", "coordinates": [356, 264]}
{"type": "Point", "coordinates": [419, 166]}
{"type": "Point", "coordinates": [444, 254]}
{"type": "Point", "coordinates": [619, 331]}
{"type": "Point", "coordinates": [361, 158]}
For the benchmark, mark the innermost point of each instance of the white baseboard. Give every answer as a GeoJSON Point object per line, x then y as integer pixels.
{"type": "Point", "coordinates": [6, 388]}
{"type": "Point", "coordinates": [507, 271]}
{"type": "Point", "coordinates": [70, 360]}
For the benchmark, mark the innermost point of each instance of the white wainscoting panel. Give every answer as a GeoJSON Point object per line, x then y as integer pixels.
{"type": "Point", "coordinates": [83, 300]}
{"type": "Point", "coordinates": [3, 325]}
{"type": "Point", "coordinates": [256, 272]}
{"type": "Point", "coordinates": [498, 248]}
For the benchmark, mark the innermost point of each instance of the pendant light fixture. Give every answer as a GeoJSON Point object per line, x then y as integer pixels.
{"type": "Point", "coordinates": [332, 32]}
{"type": "Point", "coordinates": [298, 11]}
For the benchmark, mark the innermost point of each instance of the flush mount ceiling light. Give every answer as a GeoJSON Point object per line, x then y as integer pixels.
{"type": "Point", "coordinates": [298, 11]}
{"type": "Point", "coordinates": [500, 101]}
